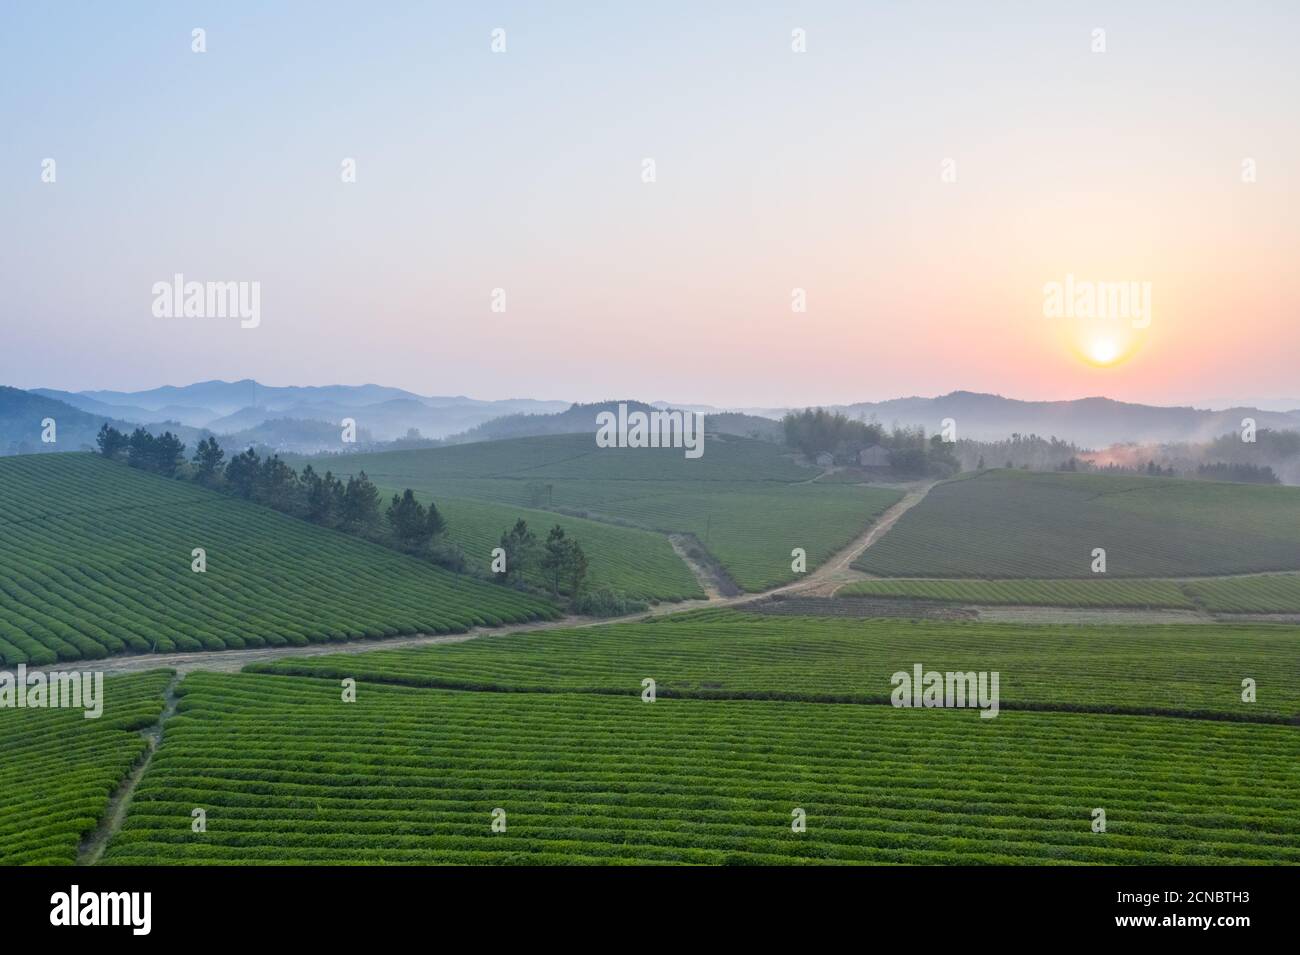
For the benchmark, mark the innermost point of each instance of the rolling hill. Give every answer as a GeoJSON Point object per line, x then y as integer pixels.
{"type": "Point", "coordinates": [95, 559]}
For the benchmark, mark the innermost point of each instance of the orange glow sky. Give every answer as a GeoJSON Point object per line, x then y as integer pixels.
{"type": "Point", "coordinates": [775, 170]}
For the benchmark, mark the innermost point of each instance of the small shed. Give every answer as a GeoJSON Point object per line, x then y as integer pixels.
{"type": "Point", "coordinates": [825, 460]}
{"type": "Point", "coordinates": [874, 457]}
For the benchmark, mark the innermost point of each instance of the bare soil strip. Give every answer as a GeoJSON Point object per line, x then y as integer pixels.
{"type": "Point", "coordinates": [93, 846]}
{"type": "Point", "coordinates": [713, 577]}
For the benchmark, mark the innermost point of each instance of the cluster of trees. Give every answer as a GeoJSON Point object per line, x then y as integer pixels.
{"type": "Point", "coordinates": [1215, 471]}
{"type": "Point", "coordinates": [161, 454]}
{"type": "Point", "coordinates": [1026, 451]}
{"type": "Point", "coordinates": [816, 431]}
{"type": "Point", "coordinates": [560, 560]}
{"type": "Point", "coordinates": [912, 454]}
{"type": "Point", "coordinates": [1243, 473]}
{"type": "Point", "coordinates": [353, 506]}
{"type": "Point", "coordinates": [1272, 458]}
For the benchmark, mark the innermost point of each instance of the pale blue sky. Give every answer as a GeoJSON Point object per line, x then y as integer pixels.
{"type": "Point", "coordinates": [775, 171]}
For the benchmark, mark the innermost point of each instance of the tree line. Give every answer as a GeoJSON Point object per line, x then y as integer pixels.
{"type": "Point", "coordinates": [353, 506]}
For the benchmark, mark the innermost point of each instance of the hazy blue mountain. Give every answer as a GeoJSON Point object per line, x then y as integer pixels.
{"type": "Point", "coordinates": [233, 406]}
{"type": "Point", "coordinates": [1092, 422]}
{"type": "Point", "coordinates": [186, 414]}
{"type": "Point", "coordinates": [21, 414]}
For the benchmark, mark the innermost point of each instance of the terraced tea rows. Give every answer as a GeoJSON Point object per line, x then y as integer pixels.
{"type": "Point", "coordinates": [59, 768]}
{"type": "Point", "coordinates": [95, 559]}
{"type": "Point", "coordinates": [1039, 593]}
{"type": "Point", "coordinates": [717, 653]}
{"type": "Point", "coordinates": [753, 531]}
{"type": "Point", "coordinates": [289, 774]}
{"type": "Point", "coordinates": [1274, 593]}
{"type": "Point", "coordinates": [568, 457]}
{"type": "Point", "coordinates": [638, 563]}
{"type": "Point", "coordinates": [1034, 525]}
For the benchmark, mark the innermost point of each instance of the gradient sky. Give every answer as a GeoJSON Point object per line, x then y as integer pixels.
{"type": "Point", "coordinates": [775, 170]}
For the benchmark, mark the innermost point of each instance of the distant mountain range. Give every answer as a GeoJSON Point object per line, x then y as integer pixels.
{"type": "Point", "coordinates": [22, 414]}
{"type": "Point", "coordinates": [305, 419]}
{"type": "Point", "coordinates": [226, 407]}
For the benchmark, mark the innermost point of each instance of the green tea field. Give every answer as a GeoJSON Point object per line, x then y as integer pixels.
{"type": "Point", "coordinates": [59, 768]}
{"type": "Point", "coordinates": [287, 773]}
{"type": "Point", "coordinates": [638, 563]}
{"type": "Point", "coordinates": [746, 501]}
{"type": "Point", "coordinates": [998, 524]}
{"type": "Point", "coordinates": [1029, 593]}
{"type": "Point", "coordinates": [1267, 593]}
{"type": "Point", "coordinates": [1191, 670]}
{"type": "Point", "coordinates": [96, 559]}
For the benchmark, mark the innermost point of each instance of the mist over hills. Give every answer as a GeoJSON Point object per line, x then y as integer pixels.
{"type": "Point", "coordinates": [1091, 422]}
{"type": "Point", "coordinates": [22, 414]}
{"type": "Point", "coordinates": [226, 407]}
{"type": "Point", "coordinates": [1088, 422]}
{"type": "Point", "coordinates": [307, 418]}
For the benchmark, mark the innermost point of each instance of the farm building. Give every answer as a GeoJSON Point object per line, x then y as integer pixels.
{"type": "Point", "coordinates": [825, 459]}
{"type": "Point", "coordinates": [874, 457]}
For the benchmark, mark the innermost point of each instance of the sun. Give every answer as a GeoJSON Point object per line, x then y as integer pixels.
{"type": "Point", "coordinates": [1103, 351]}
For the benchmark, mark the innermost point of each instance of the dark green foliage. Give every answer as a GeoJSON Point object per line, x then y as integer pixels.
{"type": "Point", "coordinates": [161, 454]}
{"type": "Point", "coordinates": [208, 458]}
{"type": "Point", "coordinates": [112, 443]}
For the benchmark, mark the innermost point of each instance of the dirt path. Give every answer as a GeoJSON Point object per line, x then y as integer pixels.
{"type": "Point", "coordinates": [836, 572]}
{"type": "Point", "coordinates": [713, 579]}
{"type": "Point", "coordinates": [93, 846]}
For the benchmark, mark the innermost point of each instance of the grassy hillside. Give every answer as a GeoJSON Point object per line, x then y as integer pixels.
{"type": "Point", "coordinates": [638, 563]}
{"type": "Point", "coordinates": [1036, 525]}
{"type": "Point", "coordinates": [60, 768]}
{"type": "Point", "coordinates": [745, 500]}
{"type": "Point", "coordinates": [288, 774]}
{"type": "Point", "coordinates": [1032, 593]}
{"type": "Point", "coordinates": [95, 558]}
{"type": "Point", "coordinates": [576, 457]}
{"type": "Point", "coordinates": [720, 653]}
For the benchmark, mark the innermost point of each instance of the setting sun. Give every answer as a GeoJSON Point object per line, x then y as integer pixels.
{"type": "Point", "coordinates": [1104, 351]}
